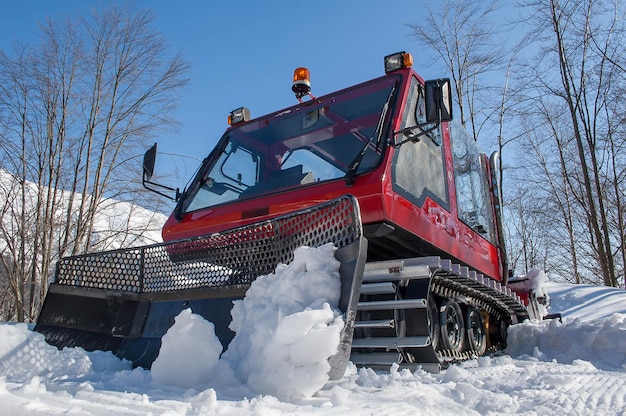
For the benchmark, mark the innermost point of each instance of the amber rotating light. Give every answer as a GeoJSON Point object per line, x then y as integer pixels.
{"type": "Point", "coordinates": [301, 82]}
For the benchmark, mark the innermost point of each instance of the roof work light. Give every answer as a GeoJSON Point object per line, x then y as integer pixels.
{"type": "Point", "coordinates": [301, 82]}
{"type": "Point", "coordinates": [238, 116]}
{"type": "Point", "coordinates": [397, 61]}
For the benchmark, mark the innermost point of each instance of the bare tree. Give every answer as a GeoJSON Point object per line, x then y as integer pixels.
{"type": "Point", "coordinates": [528, 249]}
{"type": "Point", "coordinates": [463, 36]}
{"type": "Point", "coordinates": [545, 154]}
{"type": "Point", "coordinates": [580, 40]}
{"type": "Point", "coordinates": [562, 107]}
{"type": "Point", "coordinates": [76, 110]}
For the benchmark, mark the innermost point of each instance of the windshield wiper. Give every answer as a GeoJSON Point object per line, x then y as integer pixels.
{"type": "Point", "coordinates": [354, 166]}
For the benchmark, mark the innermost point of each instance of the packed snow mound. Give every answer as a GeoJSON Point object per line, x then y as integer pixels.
{"type": "Point", "coordinates": [586, 302]}
{"type": "Point", "coordinates": [287, 327]}
{"type": "Point", "coordinates": [592, 328]}
{"type": "Point", "coordinates": [600, 342]}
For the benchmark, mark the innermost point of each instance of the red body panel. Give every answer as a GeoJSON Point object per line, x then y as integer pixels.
{"type": "Point", "coordinates": [431, 222]}
{"type": "Point", "coordinates": [440, 227]}
{"type": "Point", "coordinates": [233, 215]}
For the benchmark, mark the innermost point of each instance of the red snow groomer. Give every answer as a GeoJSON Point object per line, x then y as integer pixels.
{"type": "Point", "coordinates": [378, 169]}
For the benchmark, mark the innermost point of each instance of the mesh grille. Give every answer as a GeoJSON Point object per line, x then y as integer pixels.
{"type": "Point", "coordinates": [233, 257]}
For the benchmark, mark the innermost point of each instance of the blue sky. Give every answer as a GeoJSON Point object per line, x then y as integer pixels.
{"type": "Point", "coordinates": [243, 53]}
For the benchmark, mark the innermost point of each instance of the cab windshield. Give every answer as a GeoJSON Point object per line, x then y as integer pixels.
{"type": "Point", "coordinates": [318, 141]}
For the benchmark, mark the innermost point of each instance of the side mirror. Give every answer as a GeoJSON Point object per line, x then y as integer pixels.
{"type": "Point", "coordinates": [438, 100]}
{"type": "Point", "coordinates": [149, 159]}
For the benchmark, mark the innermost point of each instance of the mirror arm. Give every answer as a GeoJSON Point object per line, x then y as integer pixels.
{"type": "Point", "coordinates": [145, 184]}
{"type": "Point", "coordinates": [415, 137]}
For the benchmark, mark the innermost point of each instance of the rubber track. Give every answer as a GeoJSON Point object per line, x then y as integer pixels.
{"type": "Point", "coordinates": [449, 280]}
{"type": "Point", "coordinates": [491, 297]}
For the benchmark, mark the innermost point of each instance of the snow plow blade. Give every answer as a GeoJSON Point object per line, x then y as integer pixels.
{"type": "Point", "coordinates": [124, 301]}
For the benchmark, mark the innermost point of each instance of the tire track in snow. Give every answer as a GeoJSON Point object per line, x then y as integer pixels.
{"type": "Point", "coordinates": [583, 390]}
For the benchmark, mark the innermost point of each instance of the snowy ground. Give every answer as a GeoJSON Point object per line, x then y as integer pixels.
{"type": "Point", "coordinates": [277, 363]}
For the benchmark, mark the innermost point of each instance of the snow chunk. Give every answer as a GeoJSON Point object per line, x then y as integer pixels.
{"type": "Point", "coordinates": [288, 325]}
{"type": "Point", "coordinates": [189, 353]}
{"type": "Point", "coordinates": [484, 361]}
{"type": "Point", "coordinates": [454, 373]}
{"type": "Point", "coordinates": [204, 403]}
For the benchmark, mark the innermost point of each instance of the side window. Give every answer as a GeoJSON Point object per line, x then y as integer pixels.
{"type": "Point", "coordinates": [241, 166]}
{"type": "Point", "coordinates": [419, 166]}
{"type": "Point", "coordinates": [470, 178]}
{"type": "Point", "coordinates": [236, 170]}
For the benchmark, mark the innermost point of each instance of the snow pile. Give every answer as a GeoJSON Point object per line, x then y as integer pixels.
{"type": "Point", "coordinates": [587, 302]}
{"type": "Point", "coordinates": [288, 325]}
{"type": "Point", "coordinates": [286, 328]}
{"type": "Point", "coordinates": [593, 328]}
{"type": "Point", "coordinates": [600, 342]}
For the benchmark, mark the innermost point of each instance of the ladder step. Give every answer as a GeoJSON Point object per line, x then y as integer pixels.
{"type": "Point", "coordinates": [386, 305]}
{"type": "Point", "coordinates": [382, 288]}
{"type": "Point", "coordinates": [405, 273]}
{"type": "Point", "coordinates": [382, 323]}
{"type": "Point", "coordinates": [376, 358]}
{"type": "Point", "coordinates": [385, 264]}
{"type": "Point", "coordinates": [433, 262]}
{"type": "Point", "coordinates": [391, 342]}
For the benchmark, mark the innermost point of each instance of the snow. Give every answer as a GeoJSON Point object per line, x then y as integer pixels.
{"type": "Point", "coordinates": [117, 223]}
{"type": "Point", "coordinates": [284, 336]}
{"type": "Point", "coordinates": [296, 326]}
{"type": "Point", "coordinates": [197, 338]}
{"type": "Point", "coordinates": [277, 362]}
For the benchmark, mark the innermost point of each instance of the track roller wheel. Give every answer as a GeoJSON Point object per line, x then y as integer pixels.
{"type": "Point", "coordinates": [434, 327]}
{"type": "Point", "coordinates": [452, 326]}
{"type": "Point", "coordinates": [476, 331]}
{"type": "Point", "coordinates": [504, 330]}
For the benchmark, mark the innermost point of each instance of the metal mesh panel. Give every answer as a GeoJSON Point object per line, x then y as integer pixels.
{"type": "Point", "coordinates": [233, 257]}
